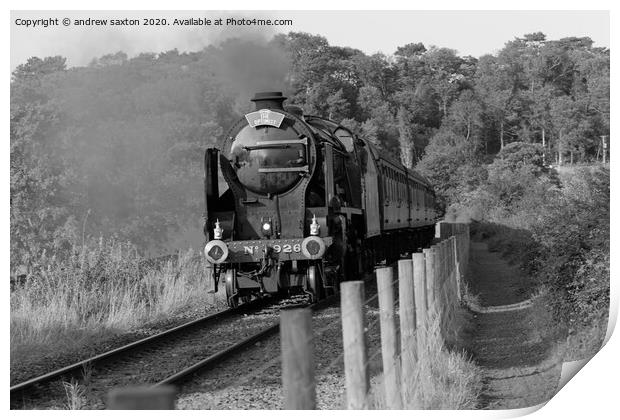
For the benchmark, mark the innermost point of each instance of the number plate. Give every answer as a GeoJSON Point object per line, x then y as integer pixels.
{"type": "Point", "coordinates": [286, 248]}
{"type": "Point", "coordinates": [281, 249]}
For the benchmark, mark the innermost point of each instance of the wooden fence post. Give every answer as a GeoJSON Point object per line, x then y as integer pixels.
{"type": "Point", "coordinates": [142, 398]}
{"type": "Point", "coordinates": [444, 261]}
{"type": "Point", "coordinates": [448, 264]}
{"type": "Point", "coordinates": [438, 257]}
{"type": "Point", "coordinates": [408, 345]}
{"type": "Point", "coordinates": [419, 287]}
{"type": "Point", "coordinates": [354, 343]}
{"type": "Point", "coordinates": [389, 340]}
{"type": "Point", "coordinates": [297, 359]}
{"type": "Point", "coordinates": [429, 258]}
{"type": "Point", "coordinates": [440, 262]}
{"type": "Point", "coordinates": [457, 268]}
{"type": "Point", "coordinates": [467, 243]}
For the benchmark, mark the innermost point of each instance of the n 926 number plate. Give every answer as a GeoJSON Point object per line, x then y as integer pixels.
{"type": "Point", "coordinates": [286, 248]}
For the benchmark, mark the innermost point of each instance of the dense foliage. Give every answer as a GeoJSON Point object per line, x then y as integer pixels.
{"type": "Point", "coordinates": [115, 148]}
{"type": "Point", "coordinates": [556, 226]}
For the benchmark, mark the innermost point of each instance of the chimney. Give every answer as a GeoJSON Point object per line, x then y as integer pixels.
{"type": "Point", "coordinates": [272, 100]}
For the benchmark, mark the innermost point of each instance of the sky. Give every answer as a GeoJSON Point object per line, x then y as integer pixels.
{"type": "Point", "coordinates": [469, 32]}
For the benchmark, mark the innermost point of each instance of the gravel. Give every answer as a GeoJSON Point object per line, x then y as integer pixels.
{"type": "Point", "coordinates": [252, 379]}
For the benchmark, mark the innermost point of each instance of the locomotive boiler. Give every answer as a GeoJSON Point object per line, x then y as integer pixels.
{"type": "Point", "coordinates": [308, 204]}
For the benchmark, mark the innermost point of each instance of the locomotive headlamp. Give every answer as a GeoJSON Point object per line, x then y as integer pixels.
{"type": "Point", "coordinates": [313, 247]}
{"type": "Point", "coordinates": [314, 227]}
{"type": "Point", "coordinates": [216, 251]}
{"type": "Point", "coordinates": [266, 227]}
{"type": "Point", "coordinates": [217, 231]}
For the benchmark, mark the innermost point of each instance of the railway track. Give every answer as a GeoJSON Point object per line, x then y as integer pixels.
{"type": "Point", "coordinates": [166, 358]}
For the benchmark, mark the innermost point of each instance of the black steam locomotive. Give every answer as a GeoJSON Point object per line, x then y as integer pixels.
{"type": "Point", "coordinates": [308, 205]}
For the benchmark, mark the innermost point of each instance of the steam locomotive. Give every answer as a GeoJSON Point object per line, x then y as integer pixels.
{"type": "Point", "coordinates": [309, 204]}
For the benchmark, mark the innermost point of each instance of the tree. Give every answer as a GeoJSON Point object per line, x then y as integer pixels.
{"type": "Point", "coordinates": [514, 172]}
{"type": "Point", "coordinates": [540, 112]}
{"type": "Point", "coordinates": [444, 66]}
{"type": "Point", "coordinates": [408, 155]}
{"type": "Point", "coordinates": [337, 106]}
{"type": "Point", "coordinates": [494, 87]}
{"type": "Point", "coordinates": [39, 172]}
{"type": "Point", "coordinates": [410, 50]}
{"type": "Point", "coordinates": [377, 72]}
{"type": "Point", "coordinates": [465, 115]}
{"type": "Point", "coordinates": [567, 121]}
{"type": "Point", "coordinates": [447, 157]}
{"type": "Point", "coordinates": [35, 68]}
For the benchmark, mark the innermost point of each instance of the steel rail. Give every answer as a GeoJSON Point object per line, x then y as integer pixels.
{"type": "Point", "coordinates": [230, 351]}
{"type": "Point", "coordinates": [208, 362]}
{"type": "Point", "coordinates": [220, 355]}
{"type": "Point", "coordinates": [48, 377]}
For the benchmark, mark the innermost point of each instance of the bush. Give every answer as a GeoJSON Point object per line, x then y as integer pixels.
{"type": "Point", "coordinates": [560, 235]}
{"type": "Point", "coordinates": [451, 165]}
{"type": "Point", "coordinates": [575, 235]}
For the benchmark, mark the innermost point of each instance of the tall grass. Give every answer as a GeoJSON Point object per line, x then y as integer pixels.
{"type": "Point", "coordinates": [101, 290]}
{"type": "Point", "coordinates": [443, 379]}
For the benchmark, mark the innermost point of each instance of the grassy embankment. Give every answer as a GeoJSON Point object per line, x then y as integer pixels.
{"type": "Point", "coordinates": [444, 379]}
{"type": "Point", "coordinates": [102, 291]}
{"type": "Point", "coordinates": [561, 239]}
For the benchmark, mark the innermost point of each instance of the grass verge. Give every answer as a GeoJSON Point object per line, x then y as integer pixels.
{"type": "Point", "coordinates": [444, 379]}
{"type": "Point", "coordinates": [101, 291]}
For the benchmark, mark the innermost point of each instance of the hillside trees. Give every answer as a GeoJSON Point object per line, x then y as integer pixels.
{"type": "Point", "coordinates": [40, 205]}
{"type": "Point", "coordinates": [116, 148]}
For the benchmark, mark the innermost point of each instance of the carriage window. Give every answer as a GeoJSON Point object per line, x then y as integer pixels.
{"type": "Point", "coordinates": [417, 195]}
{"type": "Point", "coordinates": [396, 185]}
{"type": "Point", "coordinates": [384, 170]}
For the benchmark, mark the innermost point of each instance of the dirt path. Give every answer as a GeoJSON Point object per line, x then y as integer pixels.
{"type": "Point", "coordinates": [512, 337]}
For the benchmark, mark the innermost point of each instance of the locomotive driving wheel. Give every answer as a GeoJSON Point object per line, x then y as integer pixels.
{"type": "Point", "coordinates": [314, 283]}
{"type": "Point", "coordinates": [231, 288]}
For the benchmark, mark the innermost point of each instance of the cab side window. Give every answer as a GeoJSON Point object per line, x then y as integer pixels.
{"type": "Point", "coordinates": [340, 179]}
